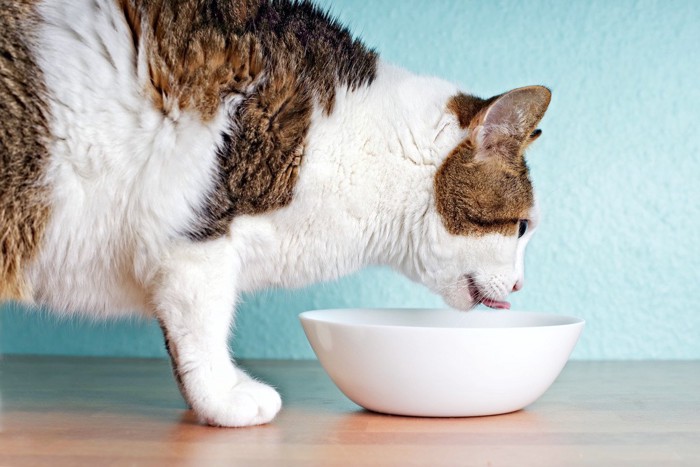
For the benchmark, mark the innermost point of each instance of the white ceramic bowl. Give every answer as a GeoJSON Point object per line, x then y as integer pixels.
{"type": "Point", "coordinates": [441, 363]}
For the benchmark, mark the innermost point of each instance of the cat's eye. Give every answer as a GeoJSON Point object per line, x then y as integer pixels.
{"type": "Point", "coordinates": [535, 134]}
{"type": "Point", "coordinates": [522, 227]}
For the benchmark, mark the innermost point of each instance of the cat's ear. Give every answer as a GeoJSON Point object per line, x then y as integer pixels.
{"type": "Point", "coordinates": [510, 122]}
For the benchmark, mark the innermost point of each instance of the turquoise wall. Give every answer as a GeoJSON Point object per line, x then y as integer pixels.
{"type": "Point", "coordinates": [617, 173]}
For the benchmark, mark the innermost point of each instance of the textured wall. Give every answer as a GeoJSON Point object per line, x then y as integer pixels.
{"type": "Point", "coordinates": [616, 171]}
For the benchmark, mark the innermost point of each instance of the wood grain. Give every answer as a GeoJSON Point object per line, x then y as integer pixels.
{"type": "Point", "coordinates": [82, 411]}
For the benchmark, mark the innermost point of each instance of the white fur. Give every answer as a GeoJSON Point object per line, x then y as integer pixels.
{"type": "Point", "coordinates": [127, 181]}
{"type": "Point", "coordinates": [125, 178]}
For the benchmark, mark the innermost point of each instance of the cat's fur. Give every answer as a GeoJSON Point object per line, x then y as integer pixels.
{"type": "Point", "coordinates": [162, 157]}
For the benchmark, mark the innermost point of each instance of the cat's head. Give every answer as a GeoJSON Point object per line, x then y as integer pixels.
{"type": "Point", "coordinates": [485, 209]}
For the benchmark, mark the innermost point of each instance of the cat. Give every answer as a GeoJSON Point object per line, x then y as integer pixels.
{"type": "Point", "coordinates": [162, 157]}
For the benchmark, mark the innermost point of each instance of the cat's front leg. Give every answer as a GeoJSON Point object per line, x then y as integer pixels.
{"type": "Point", "coordinates": [194, 299]}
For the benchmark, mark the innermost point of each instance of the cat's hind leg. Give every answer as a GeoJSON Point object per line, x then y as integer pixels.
{"type": "Point", "coordinates": [194, 299]}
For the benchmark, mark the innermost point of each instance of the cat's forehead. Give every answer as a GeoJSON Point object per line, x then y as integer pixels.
{"type": "Point", "coordinates": [484, 194]}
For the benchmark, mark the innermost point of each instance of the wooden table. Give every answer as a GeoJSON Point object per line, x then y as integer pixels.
{"type": "Point", "coordinates": [103, 412]}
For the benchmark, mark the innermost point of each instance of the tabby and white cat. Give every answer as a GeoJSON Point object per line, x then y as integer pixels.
{"type": "Point", "coordinates": [163, 156]}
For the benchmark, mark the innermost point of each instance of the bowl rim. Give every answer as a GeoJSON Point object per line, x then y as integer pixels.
{"type": "Point", "coordinates": [311, 316]}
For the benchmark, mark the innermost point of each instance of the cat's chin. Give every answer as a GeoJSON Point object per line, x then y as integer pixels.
{"type": "Point", "coordinates": [459, 302]}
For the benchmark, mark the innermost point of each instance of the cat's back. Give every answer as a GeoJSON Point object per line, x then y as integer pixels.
{"type": "Point", "coordinates": [23, 151]}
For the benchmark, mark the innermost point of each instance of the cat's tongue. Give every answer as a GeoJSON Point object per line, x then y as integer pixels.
{"type": "Point", "coordinates": [496, 304]}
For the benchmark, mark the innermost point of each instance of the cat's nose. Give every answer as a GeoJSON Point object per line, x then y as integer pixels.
{"type": "Point", "coordinates": [518, 285]}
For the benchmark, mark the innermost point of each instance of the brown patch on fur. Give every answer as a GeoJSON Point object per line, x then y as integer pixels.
{"type": "Point", "coordinates": [259, 165]}
{"type": "Point", "coordinates": [478, 197]}
{"type": "Point", "coordinates": [205, 74]}
{"type": "Point", "coordinates": [466, 107]}
{"type": "Point", "coordinates": [483, 186]}
{"type": "Point", "coordinates": [193, 54]}
{"type": "Point", "coordinates": [24, 208]}
{"type": "Point", "coordinates": [304, 56]}
{"type": "Point", "coordinates": [200, 51]}
{"type": "Point", "coordinates": [318, 49]}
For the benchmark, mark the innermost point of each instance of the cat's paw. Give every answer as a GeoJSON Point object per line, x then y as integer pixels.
{"type": "Point", "coordinates": [248, 403]}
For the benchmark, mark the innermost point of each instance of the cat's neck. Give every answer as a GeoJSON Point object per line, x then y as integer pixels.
{"type": "Point", "coordinates": [365, 182]}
